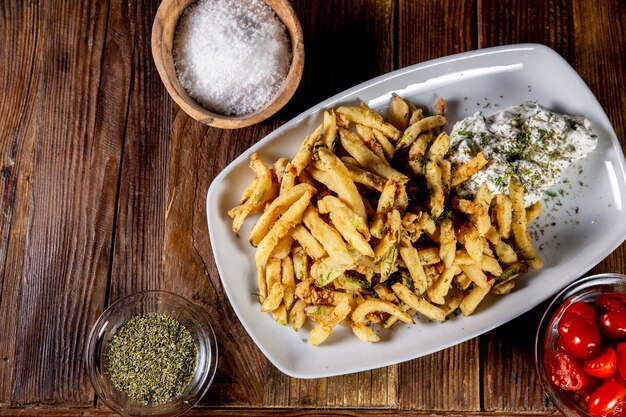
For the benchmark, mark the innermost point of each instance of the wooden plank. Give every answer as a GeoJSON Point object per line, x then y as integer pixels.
{"type": "Point", "coordinates": [511, 21]}
{"type": "Point", "coordinates": [447, 380]}
{"type": "Point", "coordinates": [370, 389]}
{"type": "Point", "coordinates": [139, 228]}
{"type": "Point", "coordinates": [346, 43]}
{"type": "Point", "coordinates": [432, 29]}
{"type": "Point", "coordinates": [21, 49]}
{"type": "Point", "coordinates": [510, 383]}
{"type": "Point", "coordinates": [59, 184]}
{"type": "Point", "coordinates": [444, 381]}
{"type": "Point", "coordinates": [257, 412]}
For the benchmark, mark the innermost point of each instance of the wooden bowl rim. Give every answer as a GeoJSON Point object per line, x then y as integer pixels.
{"type": "Point", "coordinates": [190, 106]}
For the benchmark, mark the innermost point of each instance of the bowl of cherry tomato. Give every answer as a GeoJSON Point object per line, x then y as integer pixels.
{"type": "Point", "coordinates": [580, 348]}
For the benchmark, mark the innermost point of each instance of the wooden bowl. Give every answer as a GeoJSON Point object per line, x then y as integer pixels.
{"type": "Point", "coordinates": [163, 31]}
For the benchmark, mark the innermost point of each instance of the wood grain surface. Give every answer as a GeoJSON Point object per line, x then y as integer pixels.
{"type": "Point", "coordinates": [104, 181]}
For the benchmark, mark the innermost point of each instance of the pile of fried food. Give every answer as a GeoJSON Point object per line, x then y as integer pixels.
{"type": "Point", "coordinates": [364, 225]}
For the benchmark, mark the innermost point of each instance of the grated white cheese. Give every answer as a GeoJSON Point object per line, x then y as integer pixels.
{"type": "Point", "coordinates": [527, 141]}
{"type": "Point", "coordinates": [232, 56]}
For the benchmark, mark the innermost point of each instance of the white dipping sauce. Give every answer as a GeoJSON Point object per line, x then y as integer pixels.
{"type": "Point", "coordinates": [527, 141]}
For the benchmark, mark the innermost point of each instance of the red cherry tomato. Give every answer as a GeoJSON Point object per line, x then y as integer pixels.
{"type": "Point", "coordinates": [620, 350]}
{"type": "Point", "coordinates": [611, 302]}
{"type": "Point", "coordinates": [603, 365]}
{"type": "Point", "coordinates": [566, 372]}
{"type": "Point", "coordinates": [585, 393]}
{"type": "Point", "coordinates": [607, 399]}
{"type": "Point", "coordinates": [583, 309]}
{"type": "Point", "coordinates": [613, 324]}
{"type": "Point", "coordinates": [580, 337]}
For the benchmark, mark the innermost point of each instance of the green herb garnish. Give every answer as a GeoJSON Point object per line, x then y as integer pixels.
{"type": "Point", "coordinates": [151, 358]}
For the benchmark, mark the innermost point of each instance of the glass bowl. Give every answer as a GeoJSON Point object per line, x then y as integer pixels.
{"type": "Point", "coordinates": [193, 317]}
{"type": "Point", "coordinates": [586, 289]}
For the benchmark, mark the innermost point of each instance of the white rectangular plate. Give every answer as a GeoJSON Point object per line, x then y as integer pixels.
{"type": "Point", "coordinates": [578, 228]}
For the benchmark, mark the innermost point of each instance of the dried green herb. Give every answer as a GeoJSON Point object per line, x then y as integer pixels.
{"type": "Point", "coordinates": [151, 358]}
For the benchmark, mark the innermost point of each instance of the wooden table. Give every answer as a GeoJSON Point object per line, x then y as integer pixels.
{"type": "Point", "coordinates": [104, 181]}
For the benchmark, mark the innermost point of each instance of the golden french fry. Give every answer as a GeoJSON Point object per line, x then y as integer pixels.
{"type": "Point", "coordinates": [300, 261]}
{"type": "Point", "coordinates": [289, 281]}
{"type": "Point", "coordinates": [304, 154]}
{"type": "Point", "coordinates": [364, 333]}
{"type": "Point", "coordinates": [274, 298]}
{"type": "Point", "coordinates": [446, 175]}
{"type": "Point", "coordinates": [504, 215]}
{"type": "Point", "coordinates": [447, 243]}
{"type": "Point", "coordinates": [333, 204]}
{"type": "Point", "coordinates": [483, 197]}
{"type": "Point", "coordinates": [440, 288]}
{"type": "Point", "coordinates": [273, 272]}
{"type": "Point", "coordinates": [471, 300]}
{"type": "Point", "coordinates": [280, 166]}
{"type": "Point", "coordinates": [292, 217]}
{"type": "Point", "coordinates": [358, 175]}
{"type": "Point", "coordinates": [416, 114]}
{"type": "Point", "coordinates": [329, 136]}
{"type": "Point", "coordinates": [283, 248]}
{"type": "Point", "coordinates": [520, 229]}
{"type": "Point", "coordinates": [418, 303]}
{"type": "Point", "coordinates": [533, 211]}
{"type": "Point", "coordinates": [368, 117]}
{"type": "Point", "coordinates": [427, 123]}
{"type": "Point", "coordinates": [476, 274]}
{"type": "Point", "coordinates": [503, 288]}
{"type": "Point", "coordinates": [399, 113]}
{"type": "Point", "coordinates": [343, 184]}
{"type": "Point", "coordinates": [463, 258]}
{"type": "Point", "coordinates": [386, 250]}
{"type": "Point", "coordinates": [453, 302]}
{"type": "Point", "coordinates": [388, 148]}
{"type": "Point", "coordinates": [350, 234]}
{"type": "Point", "coordinates": [472, 241]}
{"type": "Point", "coordinates": [439, 147]}
{"type": "Point", "coordinates": [326, 271]}
{"type": "Point", "coordinates": [429, 256]}
{"type": "Point", "coordinates": [311, 245]}
{"type": "Point", "coordinates": [297, 317]}
{"type": "Point", "coordinates": [366, 157]}
{"type": "Point", "coordinates": [491, 265]}
{"type": "Point", "coordinates": [411, 258]}
{"type": "Point", "coordinates": [289, 179]}
{"type": "Point", "coordinates": [261, 194]}
{"type": "Point", "coordinates": [462, 281]}
{"type": "Point", "coordinates": [417, 153]}
{"type": "Point", "coordinates": [463, 172]}
{"type": "Point", "coordinates": [328, 236]}
{"type": "Point", "coordinates": [371, 306]}
{"type": "Point", "coordinates": [280, 315]}
{"type": "Point", "coordinates": [324, 328]}
{"type": "Point", "coordinates": [275, 210]}
{"type": "Point", "coordinates": [367, 134]}
{"type": "Point", "coordinates": [317, 313]}
{"type": "Point", "coordinates": [435, 188]}
{"type": "Point", "coordinates": [247, 193]}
